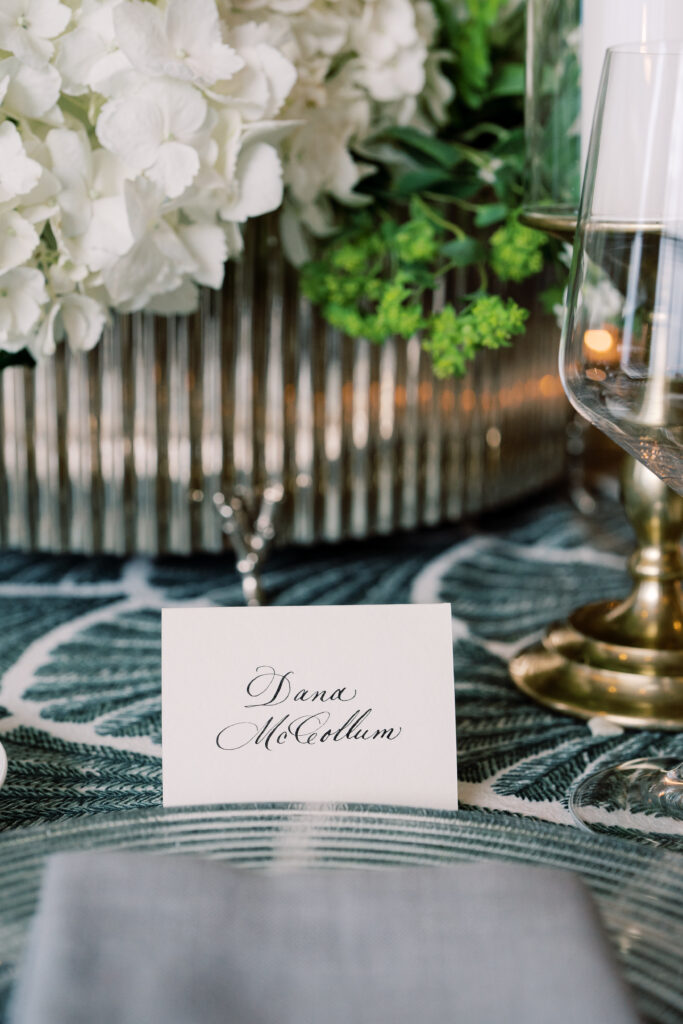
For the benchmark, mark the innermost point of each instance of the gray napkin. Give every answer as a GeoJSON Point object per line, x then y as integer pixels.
{"type": "Point", "coordinates": [123, 938]}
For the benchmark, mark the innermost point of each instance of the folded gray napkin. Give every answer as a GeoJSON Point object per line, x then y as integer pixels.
{"type": "Point", "coordinates": [123, 938]}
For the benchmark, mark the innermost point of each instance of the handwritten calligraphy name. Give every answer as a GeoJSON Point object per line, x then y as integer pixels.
{"type": "Point", "coordinates": [270, 688]}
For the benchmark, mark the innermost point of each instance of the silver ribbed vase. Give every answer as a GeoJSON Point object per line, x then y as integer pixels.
{"type": "Point", "coordinates": [151, 441]}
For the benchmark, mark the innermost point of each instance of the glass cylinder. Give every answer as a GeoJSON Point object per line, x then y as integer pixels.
{"type": "Point", "coordinates": [552, 112]}
{"type": "Point", "coordinates": [566, 45]}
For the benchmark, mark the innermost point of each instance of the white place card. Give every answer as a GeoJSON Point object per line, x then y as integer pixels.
{"type": "Point", "coordinates": [316, 704]}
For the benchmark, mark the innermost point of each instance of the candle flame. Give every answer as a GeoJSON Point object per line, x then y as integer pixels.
{"type": "Point", "coordinates": [599, 341]}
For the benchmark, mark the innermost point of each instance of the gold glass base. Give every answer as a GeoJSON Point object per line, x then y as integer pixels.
{"type": "Point", "coordinates": [572, 672]}
{"type": "Point", "coordinates": [622, 660]}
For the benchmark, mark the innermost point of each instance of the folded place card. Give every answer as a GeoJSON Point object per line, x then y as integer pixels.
{"type": "Point", "coordinates": [317, 704]}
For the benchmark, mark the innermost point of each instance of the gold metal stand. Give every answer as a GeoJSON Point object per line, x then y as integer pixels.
{"type": "Point", "coordinates": [623, 660]}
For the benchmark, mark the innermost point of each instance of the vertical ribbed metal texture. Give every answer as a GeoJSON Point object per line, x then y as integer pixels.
{"type": "Point", "coordinates": [124, 449]}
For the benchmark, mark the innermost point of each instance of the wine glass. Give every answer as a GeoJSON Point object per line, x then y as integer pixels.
{"type": "Point", "coordinates": [621, 354]}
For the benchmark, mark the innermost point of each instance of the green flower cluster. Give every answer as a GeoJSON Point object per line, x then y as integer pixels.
{"type": "Point", "coordinates": [375, 284]}
{"type": "Point", "coordinates": [454, 339]}
{"type": "Point", "coordinates": [369, 283]}
{"type": "Point", "coordinates": [516, 251]}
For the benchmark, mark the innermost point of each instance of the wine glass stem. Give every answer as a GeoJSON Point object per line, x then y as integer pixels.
{"type": "Point", "coordinates": [653, 615]}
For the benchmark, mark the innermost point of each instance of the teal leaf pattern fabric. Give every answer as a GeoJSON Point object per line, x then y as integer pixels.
{"type": "Point", "coordinates": [122, 694]}
{"type": "Point", "coordinates": [80, 689]}
{"type": "Point", "coordinates": [80, 651]}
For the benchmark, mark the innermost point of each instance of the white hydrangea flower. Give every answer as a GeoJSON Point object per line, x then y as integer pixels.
{"type": "Point", "coordinates": [22, 297]}
{"type": "Point", "coordinates": [259, 90]}
{"type": "Point", "coordinates": [137, 136]}
{"type": "Point", "coordinates": [282, 6]}
{"type": "Point", "coordinates": [88, 57]}
{"type": "Point", "coordinates": [42, 341]}
{"type": "Point", "coordinates": [27, 26]}
{"type": "Point", "coordinates": [18, 172]}
{"type": "Point", "coordinates": [30, 92]}
{"type": "Point", "coordinates": [182, 40]}
{"type": "Point", "coordinates": [157, 262]}
{"type": "Point", "coordinates": [18, 240]}
{"type": "Point", "coordinates": [257, 185]}
{"type": "Point", "coordinates": [155, 129]}
{"type": "Point", "coordinates": [38, 204]}
{"type": "Point", "coordinates": [83, 320]}
{"type": "Point", "coordinates": [93, 221]}
{"type": "Point", "coordinates": [323, 31]}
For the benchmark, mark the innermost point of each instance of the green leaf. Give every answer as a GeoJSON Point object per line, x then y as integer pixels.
{"type": "Point", "coordinates": [491, 213]}
{"type": "Point", "coordinates": [22, 358]}
{"type": "Point", "coordinates": [509, 81]}
{"type": "Point", "coordinates": [442, 153]}
{"type": "Point", "coordinates": [420, 180]}
{"type": "Point", "coordinates": [463, 252]}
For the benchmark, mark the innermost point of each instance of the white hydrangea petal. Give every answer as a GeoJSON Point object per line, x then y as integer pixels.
{"type": "Point", "coordinates": [18, 172]}
{"type": "Point", "coordinates": [290, 6]}
{"type": "Point", "coordinates": [179, 302]}
{"type": "Point", "coordinates": [234, 240]}
{"type": "Point", "coordinates": [295, 242]}
{"type": "Point", "coordinates": [403, 76]}
{"type": "Point", "coordinates": [280, 75]}
{"type": "Point", "coordinates": [6, 311]}
{"type": "Point", "coordinates": [132, 128]}
{"type": "Point", "coordinates": [322, 32]}
{"type": "Point", "coordinates": [175, 168]}
{"type": "Point", "coordinates": [186, 43]}
{"type": "Point", "coordinates": [107, 236]}
{"type": "Point", "coordinates": [140, 33]}
{"type": "Point", "coordinates": [108, 173]}
{"type": "Point", "coordinates": [318, 217]}
{"type": "Point", "coordinates": [184, 106]}
{"type": "Point", "coordinates": [273, 132]}
{"type": "Point", "coordinates": [170, 244]}
{"type": "Point", "coordinates": [439, 90]}
{"type": "Point", "coordinates": [143, 202]}
{"type": "Point", "coordinates": [139, 274]}
{"type": "Point", "coordinates": [208, 245]}
{"type": "Point", "coordinates": [11, 342]}
{"type": "Point", "coordinates": [84, 319]}
{"type": "Point", "coordinates": [42, 343]}
{"type": "Point", "coordinates": [84, 59]}
{"type": "Point", "coordinates": [194, 30]}
{"type": "Point", "coordinates": [75, 210]}
{"type": "Point", "coordinates": [22, 296]}
{"type": "Point", "coordinates": [47, 18]}
{"type": "Point", "coordinates": [157, 263]}
{"type": "Point", "coordinates": [40, 203]}
{"type": "Point", "coordinates": [70, 153]}
{"type": "Point", "coordinates": [259, 177]}
{"type": "Point", "coordinates": [29, 49]}
{"type": "Point", "coordinates": [4, 85]}
{"type": "Point", "coordinates": [249, 93]}
{"type": "Point", "coordinates": [18, 240]}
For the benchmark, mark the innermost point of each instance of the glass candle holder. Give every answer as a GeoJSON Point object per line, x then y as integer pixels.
{"type": "Point", "coordinates": [566, 45]}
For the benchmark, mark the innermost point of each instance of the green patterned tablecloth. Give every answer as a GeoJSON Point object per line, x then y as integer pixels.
{"type": "Point", "coordinates": [80, 720]}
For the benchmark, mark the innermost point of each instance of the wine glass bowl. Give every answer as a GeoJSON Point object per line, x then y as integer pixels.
{"type": "Point", "coordinates": [621, 354]}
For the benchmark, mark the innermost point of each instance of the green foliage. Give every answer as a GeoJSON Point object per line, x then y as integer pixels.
{"type": "Point", "coordinates": [375, 284]}
{"type": "Point", "coordinates": [444, 203]}
{"type": "Point", "coordinates": [516, 251]}
{"type": "Point", "coordinates": [21, 358]}
{"type": "Point", "coordinates": [453, 339]}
